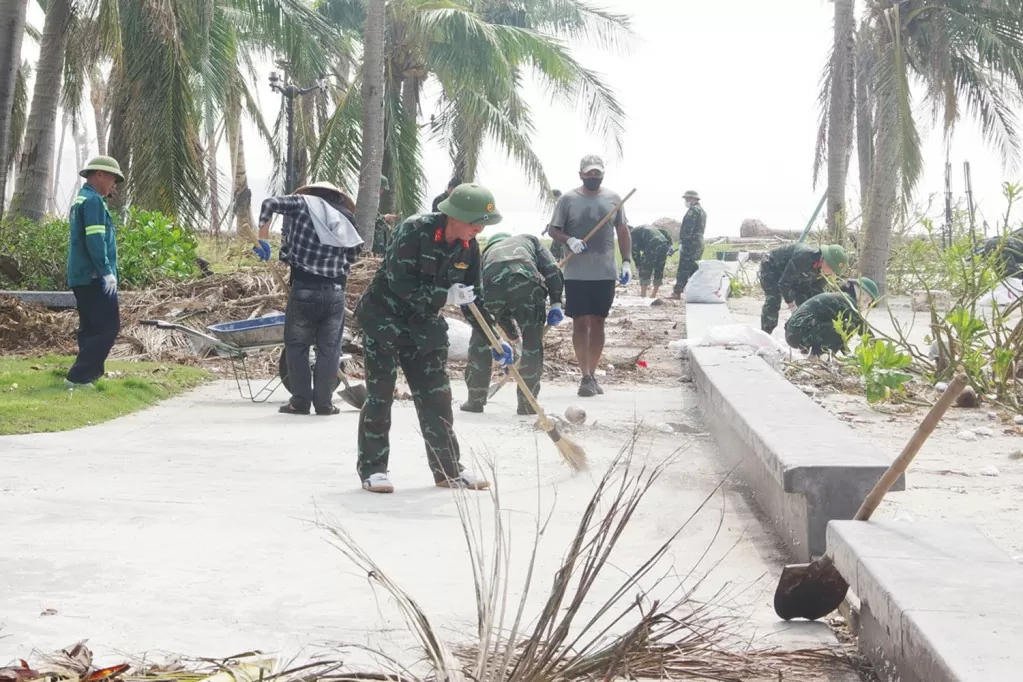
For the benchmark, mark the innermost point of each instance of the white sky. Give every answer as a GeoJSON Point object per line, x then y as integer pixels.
{"type": "Point", "coordinates": [719, 96]}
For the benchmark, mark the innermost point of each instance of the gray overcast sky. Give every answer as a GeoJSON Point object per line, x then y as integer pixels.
{"type": "Point", "coordinates": [719, 96]}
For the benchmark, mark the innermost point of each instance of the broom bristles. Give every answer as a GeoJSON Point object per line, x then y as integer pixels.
{"type": "Point", "coordinates": [571, 452]}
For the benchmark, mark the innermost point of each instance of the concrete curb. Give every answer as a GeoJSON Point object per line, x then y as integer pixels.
{"type": "Point", "coordinates": [804, 467]}
{"type": "Point", "coordinates": [938, 602]}
{"type": "Point", "coordinates": [50, 299]}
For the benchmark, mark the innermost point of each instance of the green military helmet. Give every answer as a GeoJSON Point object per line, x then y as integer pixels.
{"type": "Point", "coordinates": [835, 256]}
{"type": "Point", "coordinates": [471, 203]}
{"type": "Point", "coordinates": [691, 194]}
{"type": "Point", "coordinates": [384, 184]}
{"type": "Point", "coordinates": [499, 237]}
{"type": "Point", "coordinates": [870, 286]}
{"type": "Point", "coordinates": [103, 163]}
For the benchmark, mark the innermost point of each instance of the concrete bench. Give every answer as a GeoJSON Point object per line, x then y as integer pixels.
{"type": "Point", "coordinates": [804, 467]}
{"type": "Point", "coordinates": [938, 602]}
{"type": "Point", "coordinates": [50, 299]}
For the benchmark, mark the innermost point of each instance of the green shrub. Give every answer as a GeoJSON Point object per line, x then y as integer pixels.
{"type": "Point", "coordinates": [151, 248]}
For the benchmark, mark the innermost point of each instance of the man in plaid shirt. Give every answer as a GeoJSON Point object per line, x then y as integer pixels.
{"type": "Point", "coordinates": [320, 244]}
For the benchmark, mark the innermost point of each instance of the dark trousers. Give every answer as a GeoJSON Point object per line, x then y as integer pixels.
{"type": "Point", "coordinates": [99, 321]}
{"type": "Point", "coordinates": [426, 372]}
{"type": "Point", "coordinates": [315, 315]}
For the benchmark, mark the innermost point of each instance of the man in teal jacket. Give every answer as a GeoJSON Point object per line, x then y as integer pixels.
{"type": "Point", "coordinates": [92, 271]}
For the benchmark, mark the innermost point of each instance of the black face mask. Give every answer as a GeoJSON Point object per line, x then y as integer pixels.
{"type": "Point", "coordinates": [592, 184]}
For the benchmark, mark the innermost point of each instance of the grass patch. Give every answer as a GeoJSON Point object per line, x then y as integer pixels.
{"type": "Point", "coordinates": [33, 398]}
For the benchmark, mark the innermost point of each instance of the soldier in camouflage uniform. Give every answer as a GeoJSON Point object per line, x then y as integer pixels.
{"type": "Point", "coordinates": [384, 224]}
{"type": "Point", "coordinates": [650, 248]}
{"type": "Point", "coordinates": [433, 261]}
{"type": "Point", "coordinates": [515, 270]}
{"type": "Point", "coordinates": [811, 328]}
{"type": "Point", "coordinates": [690, 242]}
{"type": "Point", "coordinates": [795, 273]}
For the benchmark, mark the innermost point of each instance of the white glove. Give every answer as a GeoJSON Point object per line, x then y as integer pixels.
{"type": "Point", "coordinates": [626, 273]}
{"type": "Point", "coordinates": [461, 294]}
{"type": "Point", "coordinates": [577, 245]}
{"type": "Point", "coordinates": [109, 285]}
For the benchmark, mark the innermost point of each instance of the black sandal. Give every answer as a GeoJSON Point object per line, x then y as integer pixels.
{"type": "Point", "coordinates": [333, 409]}
{"type": "Point", "coordinates": [288, 408]}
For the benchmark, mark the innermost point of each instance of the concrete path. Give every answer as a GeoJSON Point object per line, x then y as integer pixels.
{"type": "Point", "coordinates": [185, 528]}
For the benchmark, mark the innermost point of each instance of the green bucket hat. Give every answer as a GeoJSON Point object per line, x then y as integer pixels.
{"type": "Point", "coordinates": [103, 163]}
{"type": "Point", "coordinates": [384, 184]}
{"type": "Point", "coordinates": [870, 286]}
{"type": "Point", "coordinates": [691, 194]}
{"type": "Point", "coordinates": [471, 203]}
{"type": "Point", "coordinates": [835, 256]}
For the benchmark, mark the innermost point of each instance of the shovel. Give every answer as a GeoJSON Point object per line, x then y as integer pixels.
{"type": "Point", "coordinates": [814, 590]}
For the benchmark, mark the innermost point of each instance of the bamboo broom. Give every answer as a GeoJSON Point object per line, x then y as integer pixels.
{"type": "Point", "coordinates": [572, 453]}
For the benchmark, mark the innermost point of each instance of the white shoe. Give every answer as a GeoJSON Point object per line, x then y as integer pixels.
{"type": "Point", "coordinates": [378, 483]}
{"type": "Point", "coordinates": [70, 385]}
{"type": "Point", "coordinates": [466, 480]}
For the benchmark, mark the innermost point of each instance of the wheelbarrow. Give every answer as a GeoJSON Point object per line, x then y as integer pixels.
{"type": "Point", "coordinates": [238, 340]}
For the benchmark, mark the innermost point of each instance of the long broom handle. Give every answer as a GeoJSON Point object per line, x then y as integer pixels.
{"type": "Point", "coordinates": [902, 462]}
{"type": "Point", "coordinates": [599, 225]}
{"type": "Point", "coordinates": [513, 370]}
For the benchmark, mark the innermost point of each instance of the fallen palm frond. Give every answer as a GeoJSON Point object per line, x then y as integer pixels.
{"type": "Point", "coordinates": [641, 628]}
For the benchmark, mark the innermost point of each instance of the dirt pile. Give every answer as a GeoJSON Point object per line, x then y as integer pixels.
{"type": "Point", "coordinates": [28, 327]}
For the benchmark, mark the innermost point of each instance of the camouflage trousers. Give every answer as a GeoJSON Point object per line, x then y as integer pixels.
{"type": "Point", "coordinates": [650, 264]}
{"type": "Point", "coordinates": [814, 335]}
{"type": "Point", "coordinates": [426, 372]}
{"type": "Point", "coordinates": [770, 276]}
{"type": "Point", "coordinates": [518, 306]}
{"type": "Point", "coordinates": [689, 255]}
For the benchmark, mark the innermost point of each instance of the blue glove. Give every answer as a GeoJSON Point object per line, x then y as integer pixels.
{"type": "Point", "coordinates": [626, 273]}
{"type": "Point", "coordinates": [671, 250]}
{"type": "Point", "coordinates": [555, 316]}
{"type": "Point", "coordinates": [263, 250]}
{"type": "Point", "coordinates": [506, 357]}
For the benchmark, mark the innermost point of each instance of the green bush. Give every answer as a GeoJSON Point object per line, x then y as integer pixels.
{"type": "Point", "coordinates": [151, 248]}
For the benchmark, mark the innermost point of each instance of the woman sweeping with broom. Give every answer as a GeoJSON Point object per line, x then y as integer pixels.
{"type": "Point", "coordinates": [433, 260]}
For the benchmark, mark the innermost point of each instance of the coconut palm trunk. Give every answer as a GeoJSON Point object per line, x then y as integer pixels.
{"type": "Point", "coordinates": [31, 182]}
{"type": "Point", "coordinates": [884, 187]}
{"type": "Point", "coordinates": [864, 114]}
{"type": "Point", "coordinates": [372, 119]}
{"type": "Point", "coordinates": [12, 29]}
{"type": "Point", "coordinates": [840, 115]}
{"type": "Point", "coordinates": [242, 195]}
{"type": "Point", "coordinates": [51, 204]}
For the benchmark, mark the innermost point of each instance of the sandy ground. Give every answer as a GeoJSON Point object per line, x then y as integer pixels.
{"type": "Point", "coordinates": [186, 528]}
{"type": "Point", "coordinates": [977, 478]}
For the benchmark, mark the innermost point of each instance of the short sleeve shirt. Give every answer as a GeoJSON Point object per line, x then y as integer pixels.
{"type": "Point", "coordinates": [576, 214]}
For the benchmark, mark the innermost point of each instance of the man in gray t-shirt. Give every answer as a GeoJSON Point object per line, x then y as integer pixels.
{"type": "Point", "coordinates": [591, 272]}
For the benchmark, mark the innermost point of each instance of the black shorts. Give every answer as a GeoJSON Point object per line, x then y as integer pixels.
{"type": "Point", "coordinates": [589, 297]}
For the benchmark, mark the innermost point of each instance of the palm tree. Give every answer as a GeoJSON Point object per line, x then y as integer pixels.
{"type": "Point", "coordinates": [372, 118]}
{"type": "Point", "coordinates": [34, 166]}
{"type": "Point", "coordinates": [834, 138]}
{"type": "Point", "coordinates": [12, 29]}
{"type": "Point", "coordinates": [966, 55]}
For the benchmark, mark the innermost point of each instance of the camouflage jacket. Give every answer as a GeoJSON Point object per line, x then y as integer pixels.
{"type": "Point", "coordinates": [823, 309]}
{"type": "Point", "coordinates": [800, 268]}
{"type": "Point", "coordinates": [693, 225]}
{"type": "Point", "coordinates": [522, 254]}
{"type": "Point", "coordinates": [381, 236]}
{"type": "Point", "coordinates": [411, 287]}
{"type": "Point", "coordinates": [645, 238]}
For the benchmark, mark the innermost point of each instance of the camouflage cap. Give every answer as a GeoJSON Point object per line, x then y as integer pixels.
{"type": "Point", "coordinates": [591, 162]}
{"type": "Point", "coordinates": [691, 194]}
{"type": "Point", "coordinates": [471, 203]}
{"type": "Point", "coordinates": [495, 238]}
{"type": "Point", "coordinates": [107, 164]}
{"type": "Point", "coordinates": [835, 257]}
{"type": "Point", "coordinates": [870, 286]}
{"type": "Point", "coordinates": [384, 184]}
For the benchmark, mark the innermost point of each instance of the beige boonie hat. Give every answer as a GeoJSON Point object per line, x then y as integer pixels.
{"type": "Point", "coordinates": [325, 186]}
{"type": "Point", "coordinates": [103, 163]}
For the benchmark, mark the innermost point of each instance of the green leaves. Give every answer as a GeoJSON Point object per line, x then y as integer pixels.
{"type": "Point", "coordinates": [153, 248]}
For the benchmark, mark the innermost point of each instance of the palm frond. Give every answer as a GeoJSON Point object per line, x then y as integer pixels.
{"type": "Point", "coordinates": [820, 157]}
{"type": "Point", "coordinates": [19, 114]}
